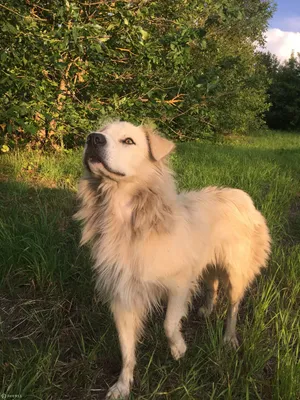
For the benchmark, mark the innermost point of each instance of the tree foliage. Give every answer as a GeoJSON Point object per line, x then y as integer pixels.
{"type": "Point", "coordinates": [284, 93]}
{"type": "Point", "coordinates": [188, 66]}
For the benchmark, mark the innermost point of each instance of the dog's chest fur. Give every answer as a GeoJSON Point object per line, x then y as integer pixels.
{"type": "Point", "coordinates": [118, 223]}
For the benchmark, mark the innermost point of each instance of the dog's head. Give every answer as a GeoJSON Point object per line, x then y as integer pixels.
{"type": "Point", "coordinates": [122, 150]}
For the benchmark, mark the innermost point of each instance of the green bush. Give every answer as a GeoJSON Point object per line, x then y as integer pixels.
{"type": "Point", "coordinates": [188, 66]}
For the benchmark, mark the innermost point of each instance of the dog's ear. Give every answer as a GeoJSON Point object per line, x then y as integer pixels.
{"type": "Point", "coordinates": [159, 147]}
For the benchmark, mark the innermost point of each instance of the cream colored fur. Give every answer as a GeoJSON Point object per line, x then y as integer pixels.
{"type": "Point", "coordinates": [148, 241]}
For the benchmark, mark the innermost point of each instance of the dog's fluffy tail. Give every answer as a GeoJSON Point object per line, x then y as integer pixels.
{"type": "Point", "coordinates": [261, 243]}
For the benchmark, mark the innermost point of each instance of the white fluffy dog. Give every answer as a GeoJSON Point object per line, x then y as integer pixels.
{"type": "Point", "coordinates": [148, 241]}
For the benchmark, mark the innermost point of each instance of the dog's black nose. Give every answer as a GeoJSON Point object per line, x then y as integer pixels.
{"type": "Point", "coordinates": [97, 139]}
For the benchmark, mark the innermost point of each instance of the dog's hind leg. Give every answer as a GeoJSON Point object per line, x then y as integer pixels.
{"type": "Point", "coordinates": [212, 284]}
{"type": "Point", "coordinates": [129, 326]}
{"type": "Point", "coordinates": [236, 290]}
{"type": "Point", "coordinates": [177, 308]}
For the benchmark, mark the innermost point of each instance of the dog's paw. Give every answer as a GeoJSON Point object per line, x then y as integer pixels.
{"type": "Point", "coordinates": [118, 391]}
{"type": "Point", "coordinates": [232, 341]}
{"type": "Point", "coordinates": [204, 311]}
{"type": "Point", "coordinates": [178, 349]}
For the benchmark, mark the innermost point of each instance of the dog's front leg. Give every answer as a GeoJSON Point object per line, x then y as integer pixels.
{"type": "Point", "coordinates": [129, 326]}
{"type": "Point", "coordinates": [177, 308]}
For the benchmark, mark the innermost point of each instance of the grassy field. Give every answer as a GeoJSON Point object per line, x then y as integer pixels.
{"type": "Point", "coordinates": [59, 343]}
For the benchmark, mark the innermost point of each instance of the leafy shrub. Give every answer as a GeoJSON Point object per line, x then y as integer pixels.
{"type": "Point", "coordinates": [190, 67]}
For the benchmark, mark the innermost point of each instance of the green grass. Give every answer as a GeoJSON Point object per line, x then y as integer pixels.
{"type": "Point", "coordinates": [59, 343]}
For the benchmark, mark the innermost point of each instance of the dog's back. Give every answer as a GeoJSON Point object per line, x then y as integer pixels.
{"type": "Point", "coordinates": [228, 224]}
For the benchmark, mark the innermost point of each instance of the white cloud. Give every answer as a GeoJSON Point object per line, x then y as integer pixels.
{"type": "Point", "coordinates": [282, 43]}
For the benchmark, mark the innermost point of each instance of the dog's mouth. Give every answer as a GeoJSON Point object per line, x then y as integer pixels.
{"type": "Point", "coordinates": [91, 159]}
{"type": "Point", "coordinates": [95, 162]}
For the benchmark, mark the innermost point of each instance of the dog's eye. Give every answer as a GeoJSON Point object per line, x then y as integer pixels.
{"type": "Point", "coordinates": [128, 141]}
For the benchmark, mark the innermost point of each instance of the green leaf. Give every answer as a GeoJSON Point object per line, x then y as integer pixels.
{"type": "Point", "coordinates": [9, 28]}
{"type": "Point", "coordinates": [145, 35]}
{"type": "Point", "coordinates": [104, 39]}
{"type": "Point", "coordinates": [75, 34]}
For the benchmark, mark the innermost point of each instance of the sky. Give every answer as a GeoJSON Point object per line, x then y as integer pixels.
{"type": "Point", "coordinates": [283, 35]}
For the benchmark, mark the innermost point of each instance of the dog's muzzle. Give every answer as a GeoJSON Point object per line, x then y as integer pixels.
{"type": "Point", "coordinates": [95, 152]}
{"type": "Point", "coordinates": [95, 148]}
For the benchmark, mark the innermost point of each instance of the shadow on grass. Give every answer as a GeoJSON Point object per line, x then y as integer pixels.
{"type": "Point", "coordinates": [54, 333]}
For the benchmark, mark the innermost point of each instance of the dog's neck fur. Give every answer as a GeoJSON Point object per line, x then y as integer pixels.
{"type": "Point", "coordinates": [146, 207]}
